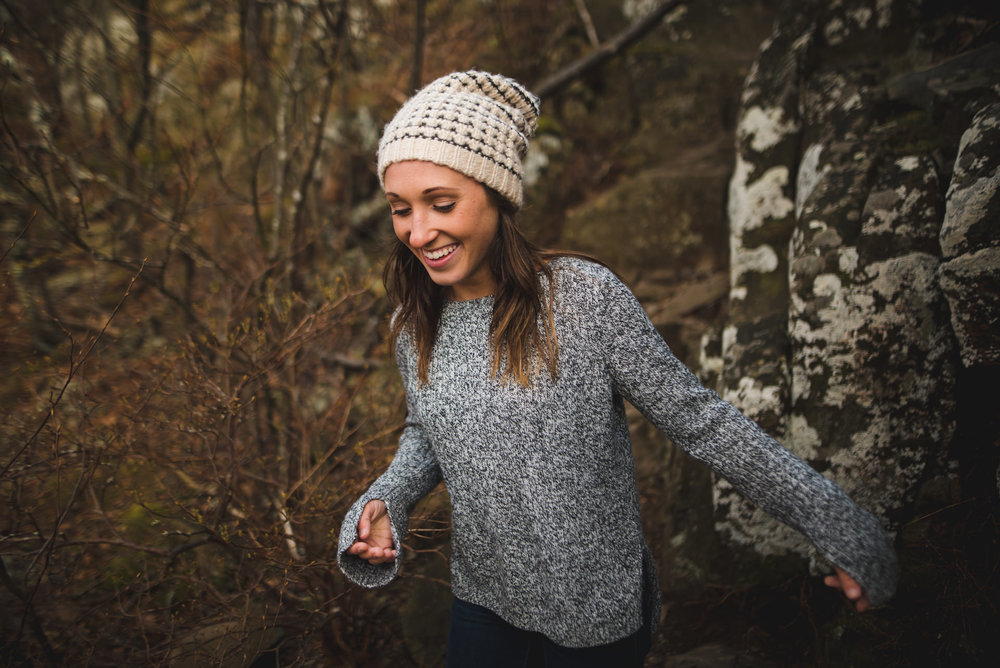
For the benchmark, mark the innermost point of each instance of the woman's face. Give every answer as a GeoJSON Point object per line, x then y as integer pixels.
{"type": "Point", "coordinates": [448, 221]}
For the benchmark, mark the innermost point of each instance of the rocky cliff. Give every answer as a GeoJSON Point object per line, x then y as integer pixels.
{"type": "Point", "coordinates": [863, 324]}
{"type": "Point", "coordinates": [864, 246]}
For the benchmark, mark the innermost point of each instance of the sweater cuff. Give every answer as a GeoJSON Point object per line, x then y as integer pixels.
{"type": "Point", "coordinates": [357, 569]}
{"type": "Point", "coordinates": [868, 556]}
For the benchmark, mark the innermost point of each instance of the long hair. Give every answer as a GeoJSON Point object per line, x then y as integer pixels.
{"type": "Point", "coordinates": [521, 342]}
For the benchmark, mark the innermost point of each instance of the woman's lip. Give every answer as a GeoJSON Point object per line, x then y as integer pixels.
{"type": "Point", "coordinates": [442, 260]}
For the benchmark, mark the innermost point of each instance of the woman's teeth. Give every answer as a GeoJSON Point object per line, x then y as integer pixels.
{"type": "Point", "coordinates": [440, 252]}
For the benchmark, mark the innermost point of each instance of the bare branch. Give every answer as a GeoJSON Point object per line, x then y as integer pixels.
{"type": "Point", "coordinates": [599, 56]}
{"type": "Point", "coordinates": [20, 235]}
{"type": "Point", "coordinates": [285, 101]}
{"type": "Point", "coordinates": [74, 368]}
{"type": "Point", "coordinates": [588, 22]}
{"type": "Point", "coordinates": [417, 71]}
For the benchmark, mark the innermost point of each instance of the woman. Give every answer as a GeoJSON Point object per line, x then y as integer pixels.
{"type": "Point", "coordinates": [515, 363]}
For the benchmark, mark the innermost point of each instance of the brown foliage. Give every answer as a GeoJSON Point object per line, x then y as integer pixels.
{"type": "Point", "coordinates": [197, 382]}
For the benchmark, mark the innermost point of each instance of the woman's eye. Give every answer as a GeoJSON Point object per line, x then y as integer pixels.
{"type": "Point", "coordinates": [400, 212]}
{"type": "Point", "coordinates": [444, 208]}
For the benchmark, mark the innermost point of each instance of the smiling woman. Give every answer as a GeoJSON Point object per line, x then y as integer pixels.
{"type": "Point", "coordinates": [449, 223]}
{"type": "Point", "coordinates": [516, 363]}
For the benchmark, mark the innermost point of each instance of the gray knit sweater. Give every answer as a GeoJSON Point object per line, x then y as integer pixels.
{"type": "Point", "coordinates": [545, 512]}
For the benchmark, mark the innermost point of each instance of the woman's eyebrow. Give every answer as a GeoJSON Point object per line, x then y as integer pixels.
{"type": "Point", "coordinates": [428, 191]}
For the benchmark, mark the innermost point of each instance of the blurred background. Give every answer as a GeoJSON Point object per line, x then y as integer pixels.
{"type": "Point", "coordinates": [196, 379]}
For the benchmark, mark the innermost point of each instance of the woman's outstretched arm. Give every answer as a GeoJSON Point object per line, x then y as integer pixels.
{"type": "Point", "coordinates": [649, 376]}
{"type": "Point", "coordinates": [371, 534]}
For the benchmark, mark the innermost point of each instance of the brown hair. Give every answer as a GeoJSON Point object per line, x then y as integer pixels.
{"type": "Point", "coordinates": [518, 267]}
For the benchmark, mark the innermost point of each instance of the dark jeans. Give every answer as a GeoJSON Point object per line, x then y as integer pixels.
{"type": "Point", "coordinates": [478, 638]}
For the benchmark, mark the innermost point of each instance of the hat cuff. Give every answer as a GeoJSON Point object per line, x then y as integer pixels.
{"type": "Point", "coordinates": [470, 163]}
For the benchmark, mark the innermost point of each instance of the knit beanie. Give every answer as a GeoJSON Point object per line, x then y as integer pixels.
{"type": "Point", "coordinates": [474, 122]}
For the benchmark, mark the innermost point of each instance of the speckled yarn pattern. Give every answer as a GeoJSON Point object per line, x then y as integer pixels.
{"type": "Point", "coordinates": [545, 511]}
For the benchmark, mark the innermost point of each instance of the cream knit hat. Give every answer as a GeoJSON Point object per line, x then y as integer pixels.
{"type": "Point", "coordinates": [476, 123]}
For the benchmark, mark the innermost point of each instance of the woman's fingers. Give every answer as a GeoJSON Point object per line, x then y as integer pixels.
{"type": "Point", "coordinates": [369, 514]}
{"type": "Point", "coordinates": [374, 543]}
{"type": "Point", "coordinates": [852, 590]}
{"type": "Point", "coordinates": [372, 553]}
{"type": "Point", "coordinates": [377, 555]}
{"type": "Point", "coordinates": [373, 511]}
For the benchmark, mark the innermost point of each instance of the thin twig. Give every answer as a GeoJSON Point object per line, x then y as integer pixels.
{"type": "Point", "coordinates": [20, 235]}
{"type": "Point", "coordinates": [602, 54]}
{"type": "Point", "coordinates": [588, 22]}
{"type": "Point", "coordinates": [74, 367]}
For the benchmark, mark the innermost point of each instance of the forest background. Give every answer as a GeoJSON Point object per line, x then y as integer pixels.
{"type": "Point", "coordinates": [196, 382]}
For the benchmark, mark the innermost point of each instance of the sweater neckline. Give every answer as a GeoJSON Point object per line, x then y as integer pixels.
{"type": "Point", "coordinates": [467, 303]}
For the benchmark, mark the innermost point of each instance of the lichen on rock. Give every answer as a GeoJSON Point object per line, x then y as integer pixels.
{"type": "Point", "coordinates": [883, 286]}
{"type": "Point", "coordinates": [970, 241]}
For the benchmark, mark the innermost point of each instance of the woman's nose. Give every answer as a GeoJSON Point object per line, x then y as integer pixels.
{"type": "Point", "coordinates": [421, 230]}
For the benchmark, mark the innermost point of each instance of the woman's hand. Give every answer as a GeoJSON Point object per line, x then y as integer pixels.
{"type": "Point", "coordinates": [374, 543]}
{"type": "Point", "coordinates": [852, 590]}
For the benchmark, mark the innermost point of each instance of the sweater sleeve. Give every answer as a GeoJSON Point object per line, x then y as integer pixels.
{"type": "Point", "coordinates": [413, 473]}
{"type": "Point", "coordinates": [646, 373]}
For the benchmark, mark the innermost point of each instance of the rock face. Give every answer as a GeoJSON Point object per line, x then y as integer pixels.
{"type": "Point", "coordinates": [864, 220]}
{"type": "Point", "coordinates": [970, 246]}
